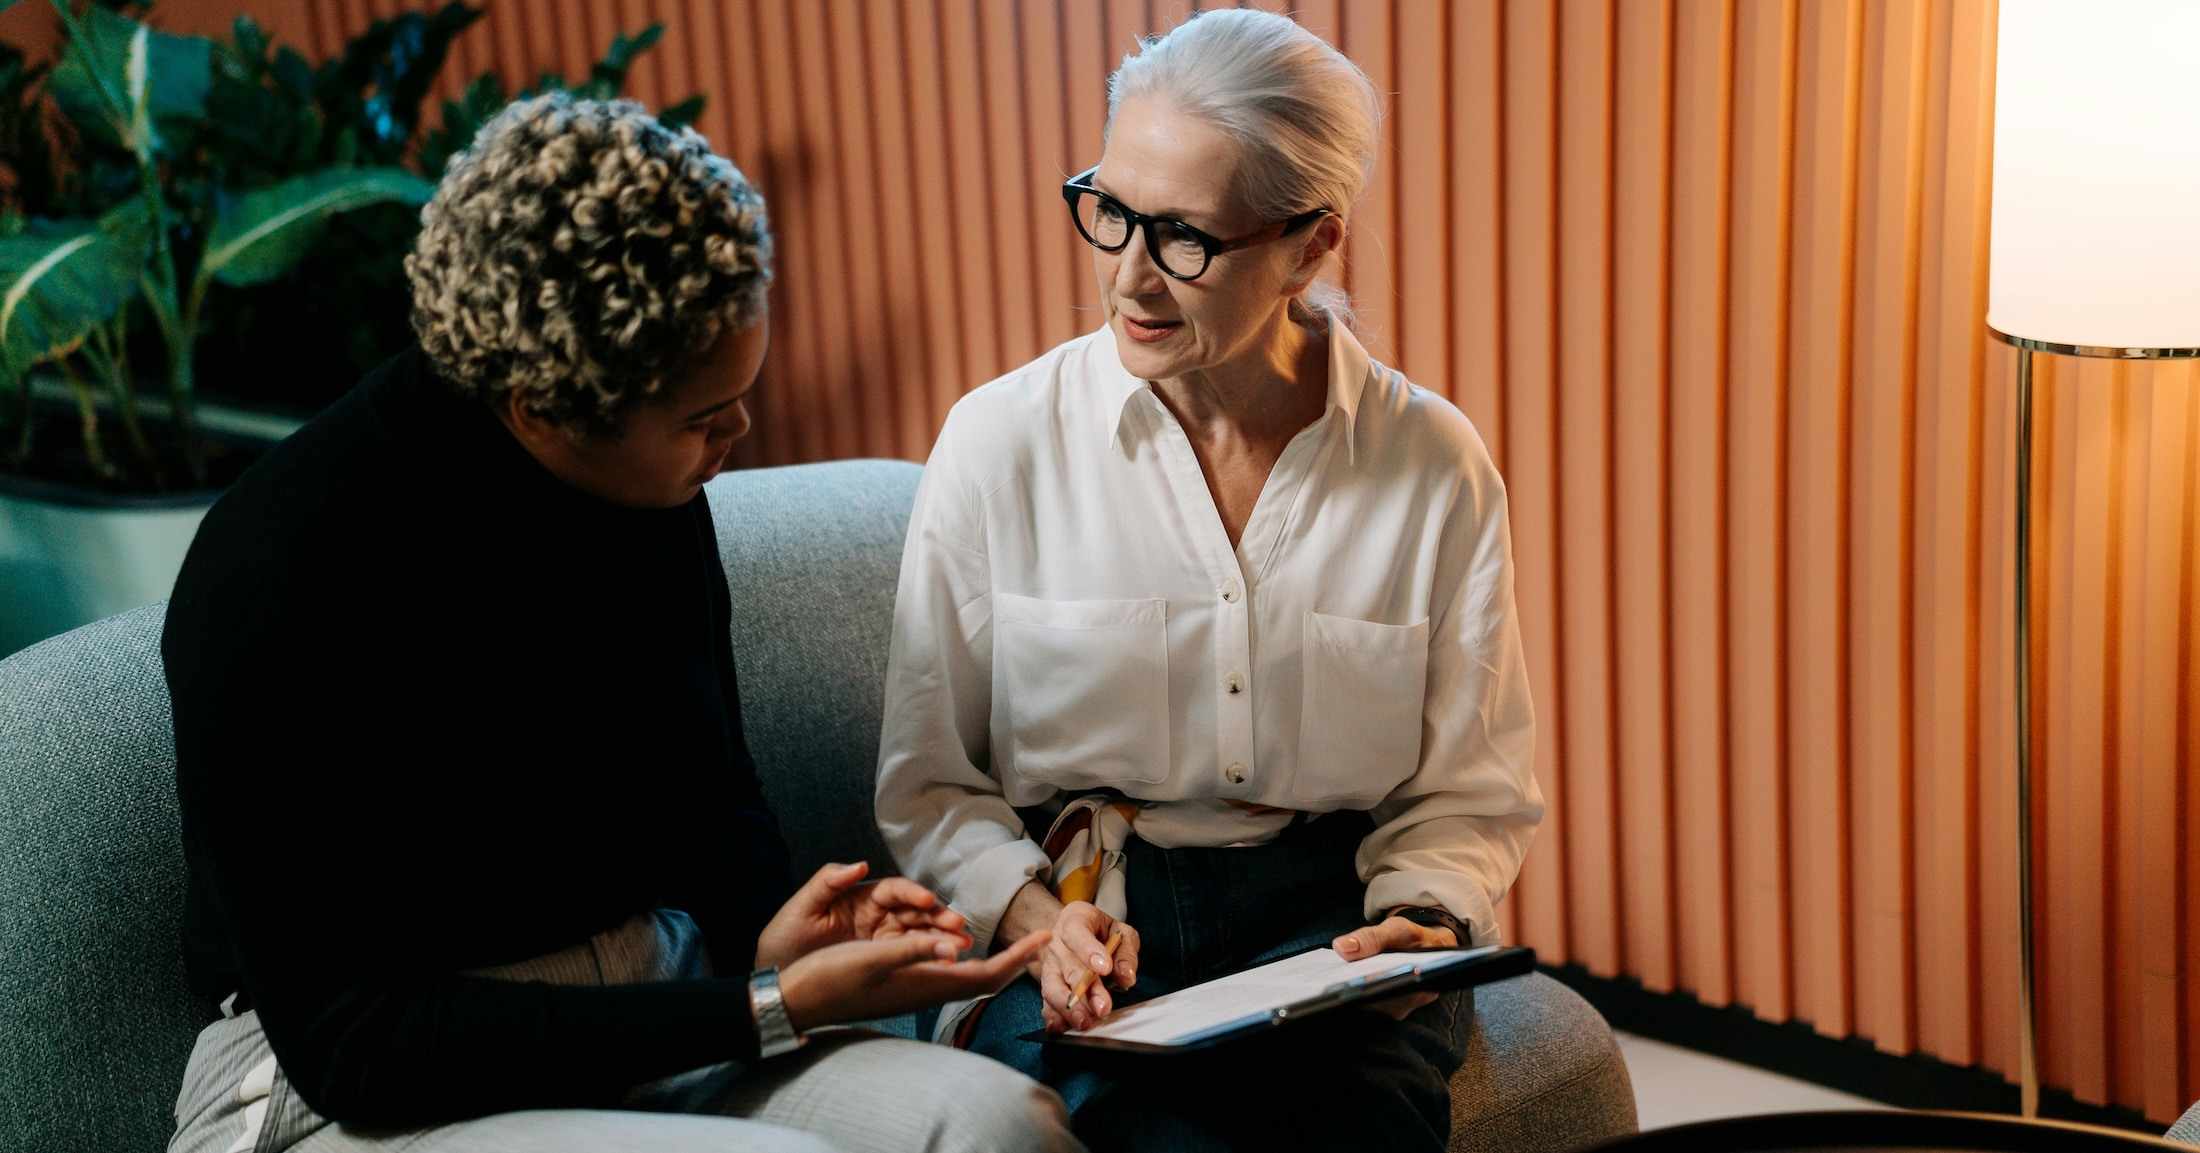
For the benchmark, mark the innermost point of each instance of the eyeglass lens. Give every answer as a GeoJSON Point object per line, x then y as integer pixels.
{"type": "Point", "coordinates": [1105, 225]}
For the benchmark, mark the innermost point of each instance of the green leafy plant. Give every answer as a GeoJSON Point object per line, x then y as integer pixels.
{"type": "Point", "coordinates": [347, 305]}
{"type": "Point", "coordinates": [69, 280]}
{"type": "Point", "coordinates": [222, 205]}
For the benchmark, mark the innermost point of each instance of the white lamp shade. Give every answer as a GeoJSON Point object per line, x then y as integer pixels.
{"type": "Point", "coordinates": [2096, 233]}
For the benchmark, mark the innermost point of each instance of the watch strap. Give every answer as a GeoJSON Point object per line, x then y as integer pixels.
{"type": "Point", "coordinates": [1431, 918]}
{"type": "Point", "coordinates": [775, 1031]}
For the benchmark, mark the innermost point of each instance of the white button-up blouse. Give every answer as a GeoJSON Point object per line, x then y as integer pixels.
{"type": "Point", "coordinates": [1071, 616]}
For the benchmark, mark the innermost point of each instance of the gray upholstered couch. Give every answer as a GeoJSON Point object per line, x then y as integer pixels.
{"type": "Point", "coordinates": [2187, 1128]}
{"type": "Point", "coordinates": [95, 1022]}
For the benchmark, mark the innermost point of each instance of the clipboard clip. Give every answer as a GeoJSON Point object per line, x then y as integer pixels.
{"type": "Point", "coordinates": [1352, 989]}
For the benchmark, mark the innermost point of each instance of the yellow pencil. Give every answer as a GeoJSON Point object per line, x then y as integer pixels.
{"type": "Point", "coordinates": [1115, 940]}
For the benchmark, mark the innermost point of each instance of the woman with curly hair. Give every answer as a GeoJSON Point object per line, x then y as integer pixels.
{"type": "Point", "coordinates": [477, 855]}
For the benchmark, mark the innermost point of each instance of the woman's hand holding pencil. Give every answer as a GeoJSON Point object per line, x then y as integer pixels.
{"type": "Point", "coordinates": [1115, 941]}
{"type": "Point", "coordinates": [1076, 969]}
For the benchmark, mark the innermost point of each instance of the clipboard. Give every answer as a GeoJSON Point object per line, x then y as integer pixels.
{"type": "Point", "coordinates": [1385, 975]}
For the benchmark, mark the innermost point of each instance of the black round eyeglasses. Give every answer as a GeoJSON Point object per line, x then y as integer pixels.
{"type": "Point", "coordinates": [1177, 248]}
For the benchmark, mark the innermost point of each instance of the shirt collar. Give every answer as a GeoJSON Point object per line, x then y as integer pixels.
{"type": "Point", "coordinates": [1349, 370]}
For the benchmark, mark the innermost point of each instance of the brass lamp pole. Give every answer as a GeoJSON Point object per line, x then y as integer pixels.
{"type": "Point", "coordinates": [2028, 1017]}
{"type": "Point", "coordinates": [2095, 253]}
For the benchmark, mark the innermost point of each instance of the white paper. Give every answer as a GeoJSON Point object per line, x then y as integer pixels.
{"type": "Point", "coordinates": [1175, 1017]}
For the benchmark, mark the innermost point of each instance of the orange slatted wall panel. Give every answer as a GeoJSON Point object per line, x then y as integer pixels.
{"type": "Point", "coordinates": [1709, 275]}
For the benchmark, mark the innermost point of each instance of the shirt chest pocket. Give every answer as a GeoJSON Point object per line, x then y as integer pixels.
{"type": "Point", "coordinates": [1081, 690]}
{"type": "Point", "coordinates": [1360, 723]}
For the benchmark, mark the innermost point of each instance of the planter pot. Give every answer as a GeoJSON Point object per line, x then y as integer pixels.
{"type": "Point", "coordinates": [70, 556]}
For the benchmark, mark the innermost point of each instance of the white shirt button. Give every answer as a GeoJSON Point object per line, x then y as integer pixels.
{"type": "Point", "coordinates": [1231, 591]}
{"type": "Point", "coordinates": [1233, 683]}
{"type": "Point", "coordinates": [1236, 773]}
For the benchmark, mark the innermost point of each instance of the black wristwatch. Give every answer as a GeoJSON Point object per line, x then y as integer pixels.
{"type": "Point", "coordinates": [1429, 918]}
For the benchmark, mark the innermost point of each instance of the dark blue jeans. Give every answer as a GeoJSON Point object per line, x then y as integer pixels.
{"type": "Point", "coordinates": [1346, 1079]}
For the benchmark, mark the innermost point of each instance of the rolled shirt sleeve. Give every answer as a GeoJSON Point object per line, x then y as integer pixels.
{"type": "Point", "coordinates": [1453, 836]}
{"type": "Point", "coordinates": [943, 815]}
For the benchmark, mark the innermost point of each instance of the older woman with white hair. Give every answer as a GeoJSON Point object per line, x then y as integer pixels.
{"type": "Point", "coordinates": [1225, 607]}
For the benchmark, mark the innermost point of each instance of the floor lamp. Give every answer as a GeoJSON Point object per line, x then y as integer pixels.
{"type": "Point", "coordinates": [2095, 252]}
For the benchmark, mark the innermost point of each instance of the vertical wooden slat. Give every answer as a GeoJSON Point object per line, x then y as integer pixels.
{"type": "Point", "coordinates": [953, 367]}
{"type": "Point", "coordinates": [979, 264]}
{"type": "Point", "coordinates": [545, 50]}
{"type": "Point", "coordinates": [674, 63]}
{"type": "Point", "coordinates": [793, 187]}
{"type": "Point", "coordinates": [1703, 77]}
{"type": "Point", "coordinates": [646, 80]}
{"type": "Point", "coordinates": [2122, 772]}
{"type": "Point", "coordinates": [576, 42]}
{"type": "Point", "coordinates": [1367, 31]}
{"type": "Point", "coordinates": [747, 144]}
{"type": "Point", "coordinates": [908, 311]}
{"type": "Point", "coordinates": [2186, 952]}
{"type": "Point", "coordinates": [1642, 97]}
{"type": "Point", "coordinates": [1047, 154]}
{"type": "Point", "coordinates": [1882, 493]}
{"type": "Point", "coordinates": [1011, 190]}
{"type": "Point", "coordinates": [355, 14]}
{"type": "Point", "coordinates": [1764, 70]}
{"type": "Point", "coordinates": [597, 21]}
{"type": "Point", "coordinates": [1821, 293]}
{"type": "Point", "coordinates": [507, 27]}
{"type": "Point", "coordinates": [2146, 1022]}
{"type": "Point", "coordinates": [2081, 693]}
{"type": "Point", "coordinates": [859, 209]}
{"type": "Point", "coordinates": [706, 71]}
{"type": "Point", "coordinates": [1585, 475]}
{"type": "Point", "coordinates": [349, 15]}
{"type": "Point", "coordinates": [1531, 166]}
{"type": "Point", "coordinates": [739, 82]}
{"type": "Point", "coordinates": [1476, 84]}
{"type": "Point", "coordinates": [1993, 872]}
{"type": "Point", "coordinates": [835, 388]}
{"type": "Point", "coordinates": [1423, 169]}
{"type": "Point", "coordinates": [1087, 63]}
{"type": "Point", "coordinates": [320, 36]}
{"type": "Point", "coordinates": [1963, 544]}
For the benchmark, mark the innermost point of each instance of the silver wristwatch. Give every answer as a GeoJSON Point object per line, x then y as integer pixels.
{"type": "Point", "coordinates": [775, 1034]}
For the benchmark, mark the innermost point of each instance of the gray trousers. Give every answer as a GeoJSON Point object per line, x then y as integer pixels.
{"type": "Point", "coordinates": [847, 1089]}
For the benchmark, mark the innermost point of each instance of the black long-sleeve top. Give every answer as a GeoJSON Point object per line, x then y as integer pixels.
{"type": "Point", "coordinates": [437, 710]}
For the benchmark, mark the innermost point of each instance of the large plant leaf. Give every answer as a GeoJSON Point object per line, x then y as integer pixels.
{"type": "Point", "coordinates": [59, 279]}
{"type": "Point", "coordinates": [258, 236]}
{"type": "Point", "coordinates": [119, 79]}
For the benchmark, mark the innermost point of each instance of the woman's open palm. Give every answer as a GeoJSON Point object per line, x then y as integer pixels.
{"type": "Point", "coordinates": [836, 906]}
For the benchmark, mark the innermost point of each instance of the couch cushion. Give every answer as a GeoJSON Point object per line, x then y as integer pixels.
{"type": "Point", "coordinates": [1543, 1073]}
{"type": "Point", "coordinates": [812, 555]}
{"type": "Point", "coordinates": [2187, 1128]}
{"type": "Point", "coordinates": [95, 1020]}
